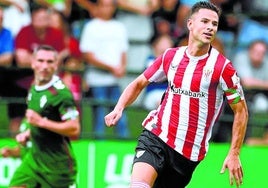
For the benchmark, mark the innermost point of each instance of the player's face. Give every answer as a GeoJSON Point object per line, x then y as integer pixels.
{"type": "Point", "coordinates": [203, 26]}
{"type": "Point", "coordinates": [45, 65]}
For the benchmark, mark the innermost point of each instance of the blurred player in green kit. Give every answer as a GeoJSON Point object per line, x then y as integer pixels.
{"type": "Point", "coordinates": [19, 150]}
{"type": "Point", "coordinates": [53, 119]}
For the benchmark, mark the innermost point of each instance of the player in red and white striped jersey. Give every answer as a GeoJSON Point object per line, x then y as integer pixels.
{"type": "Point", "coordinates": [177, 133]}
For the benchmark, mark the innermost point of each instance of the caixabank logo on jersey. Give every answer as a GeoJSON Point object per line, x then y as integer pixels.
{"type": "Point", "coordinates": [189, 93]}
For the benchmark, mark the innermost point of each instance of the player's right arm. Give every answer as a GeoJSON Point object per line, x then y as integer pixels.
{"type": "Point", "coordinates": [128, 96]}
{"type": "Point", "coordinates": [69, 127]}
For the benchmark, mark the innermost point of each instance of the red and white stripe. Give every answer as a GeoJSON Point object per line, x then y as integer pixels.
{"type": "Point", "coordinates": [193, 100]}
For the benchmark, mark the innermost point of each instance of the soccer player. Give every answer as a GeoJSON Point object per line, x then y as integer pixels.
{"type": "Point", "coordinates": [19, 150]}
{"type": "Point", "coordinates": [176, 135]}
{"type": "Point", "coordinates": [53, 118]}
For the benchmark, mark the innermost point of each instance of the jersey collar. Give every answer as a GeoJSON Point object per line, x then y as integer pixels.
{"type": "Point", "coordinates": [49, 84]}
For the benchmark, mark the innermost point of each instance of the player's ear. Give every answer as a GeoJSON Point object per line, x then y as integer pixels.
{"type": "Point", "coordinates": [32, 61]}
{"type": "Point", "coordinates": [189, 23]}
{"type": "Point", "coordinates": [57, 64]}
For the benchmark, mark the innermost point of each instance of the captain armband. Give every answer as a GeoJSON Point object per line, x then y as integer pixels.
{"type": "Point", "coordinates": [235, 95]}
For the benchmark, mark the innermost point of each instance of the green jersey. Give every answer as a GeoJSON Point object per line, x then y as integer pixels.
{"type": "Point", "coordinates": [52, 152]}
{"type": "Point", "coordinates": [53, 101]}
{"type": "Point", "coordinates": [24, 125]}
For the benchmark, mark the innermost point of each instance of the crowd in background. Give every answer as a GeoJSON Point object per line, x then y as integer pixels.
{"type": "Point", "coordinates": [100, 43]}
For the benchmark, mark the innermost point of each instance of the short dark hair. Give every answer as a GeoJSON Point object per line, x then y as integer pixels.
{"type": "Point", "coordinates": [205, 5]}
{"type": "Point", "coordinates": [34, 7]}
{"type": "Point", "coordinates": [46, 48]}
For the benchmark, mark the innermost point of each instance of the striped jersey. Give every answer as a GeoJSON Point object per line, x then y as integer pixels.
{"type": "Point", "coordinates": [193, 99]}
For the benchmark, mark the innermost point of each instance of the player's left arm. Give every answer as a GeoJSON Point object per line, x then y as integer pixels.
{"type": "Point", "coordinates": [235, 97]}
{"type": "Point", "coordinates": [232, 161]}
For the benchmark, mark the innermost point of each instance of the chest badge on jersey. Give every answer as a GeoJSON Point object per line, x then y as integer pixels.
{"type": "Point", "coordinates": [207, 72]}
{"type": "Point", "coordinates": [43, 101]}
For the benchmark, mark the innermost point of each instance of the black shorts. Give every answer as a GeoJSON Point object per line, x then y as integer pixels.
{"type": "Point", "coordinates": [174, 170]}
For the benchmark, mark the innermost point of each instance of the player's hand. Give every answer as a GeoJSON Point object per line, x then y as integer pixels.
{"type": "Point", "coordinates": [112, 118]}
{"type": "Point", "coordinates": [232, 162]}
{"type": "Point", "coordinates": [5, 152]}
{"type": "Point", "coordinates": [33, 117]}
{"type": "Point", "coordinates": [10, 152]}
{"type": "Point", "coordinates": [23, 137]}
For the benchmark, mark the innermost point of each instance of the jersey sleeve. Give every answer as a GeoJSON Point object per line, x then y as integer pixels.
{"type": "Point", "coordinates": [67, 108]}
{"type": "Point", "coordinates": [157, 71]}
{"type": "Point", "coordinates": [231, 85]}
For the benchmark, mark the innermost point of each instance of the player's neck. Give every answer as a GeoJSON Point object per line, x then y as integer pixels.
{"type": "Point", "coordinates": [195, 49]}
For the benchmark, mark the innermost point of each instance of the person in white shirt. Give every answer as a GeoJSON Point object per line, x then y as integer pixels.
{"type": "Point", "coordinates": [104, 44]}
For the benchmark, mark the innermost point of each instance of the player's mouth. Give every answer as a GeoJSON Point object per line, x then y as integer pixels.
{"type": "Point", "coordinates": [208, 35]}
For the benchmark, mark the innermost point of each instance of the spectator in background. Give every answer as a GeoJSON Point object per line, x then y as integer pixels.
{"type": "Point", "coordinates": [136, 17]}
{"type": "Point", "coordinates": [252, 66]}
{"type": "Point", "coordinates": [6, 44]}
{"type": "Point", "coordinates": [183, 13]}
{"type": "Point", "coordinates": [18, 14]}
{"type": "Point", "coordinates": [165, 19]}
{"type": "Point", "coordinates": [155, 90]}
{"type": "Point", "coordinates": [141, 7]}
{"type": "Point", "coordinates": [6, 58]}
{"type": "Point", "coordinates": [104, 44]}
{"type": "Point", "coordinates": [89, 6]}
{"type": "Point", "coordinates": [254, 25]}
{"type": "Point", "coordinates": [6, 76]}
{"type": "Point", "coordinates": [36, 33]}
{"type": "Point", "coordinates": [229, 25]}
{"type": "Point", "coordinates": [87, 9]}
{"type": "Point", "coordinates": [131, 13]}
{"type": "Point", "coordinates": [137, 12]}
{"type": "Point", "coordinates": [63, 6]}
{"type": "Point", "coordinates": [72, 65]}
